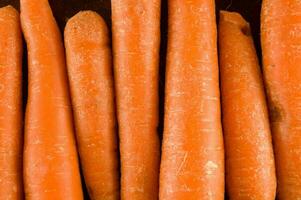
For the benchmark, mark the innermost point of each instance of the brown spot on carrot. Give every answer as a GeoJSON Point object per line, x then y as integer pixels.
{"type": "Point", "coordinates": [246, 31]}
{"type": "Point", "coordinates": [276, 113]}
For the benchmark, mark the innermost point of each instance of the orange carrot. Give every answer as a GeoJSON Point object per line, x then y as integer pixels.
{"type": "Point", "coordinates": [192, 165]}
{"type": "Point", "coordinates": [136, 41]}
{"type": "Point", "coordinates": [11, 186]}
{"type": "Point", "coordinates": [250, 168]}
{"type": "Point", "coordinates": [281, 47]}
{"type": "Point", "coordinates": [90, 74]}
{"type": "Point", "coordinates": [51, 168]}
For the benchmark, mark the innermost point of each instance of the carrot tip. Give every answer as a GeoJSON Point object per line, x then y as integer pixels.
{"type": "Point", "coordinates": [85, 24]}
{"type": "Point", "coordinates": [10, 9]}
{"type": "Point", "coordinates": [84, 16]}
{"type": "Point", "coordinates": [237, 19]}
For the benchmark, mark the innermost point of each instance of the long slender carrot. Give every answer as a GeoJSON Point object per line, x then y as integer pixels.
{"type": "Point", "coordinates": [11, 186]}
{"type": "Point", "coordinates": [250, 167]}
{"type": "Point", "coordinates": [90, 74]}
{"type": "Point", "coordinates": [281, 47]}
{"type": "Point", "coordinates": [51, 168]}
{"type": "Point", "coordinates": [192, 164]}
{"type": "Point", "coordinates": [136, 41]}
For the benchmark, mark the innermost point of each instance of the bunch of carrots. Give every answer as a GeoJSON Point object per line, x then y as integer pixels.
{"type": "Point", "coordinates": [228, 127]}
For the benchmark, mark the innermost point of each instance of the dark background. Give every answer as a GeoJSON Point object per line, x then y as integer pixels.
{"type": "Point", "coordinates": [64, 9]}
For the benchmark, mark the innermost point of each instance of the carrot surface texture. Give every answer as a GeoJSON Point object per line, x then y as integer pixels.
{"type": "Point", "coordinates": [89, 66]}
{"type": "Point", "coordinates": [136, 42]}
{"type": "Point", "coordinates": [11, 137]}
{"type": "Point", "coordinates": [281, 48]}
{"type": "Point", "coordinates": [250, 167]}
{"type": "Point", "coordinates": [192, 163]}
{"type": "Point", "coordinates": [51, 168]}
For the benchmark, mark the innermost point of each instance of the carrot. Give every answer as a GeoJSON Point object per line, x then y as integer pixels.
{"type": "Point", "coordinates": [192, 164]}
{"type": "Point", "coordinates": [90, 74]}
{"type": "Point", "coordinates": [281, 47]}
{"type": "Point", "coordinates": [51, 168]}
{"type": "Point", "coordinates": [11, 138]}
{"type": "Point", "coordinates": [250, 168]}
{"type": "Point", "coordinates": [136, 41]}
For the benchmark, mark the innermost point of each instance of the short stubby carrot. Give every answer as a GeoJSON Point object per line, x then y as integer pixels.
{"type": "Point", "coordinates": [11, 139]}
{"type": "Point", "coordinates": [89, 67]}
{"type": "Point", "coordinates": [281, 48]}
{"type": "Point", "coordinates": [192, 163]}
{"type": "Point", "coordinates": [136, 45]}
{"type": "Point", "coordinates": [250, 167]}
{"type": "Point", "coordinates": [51, 169]}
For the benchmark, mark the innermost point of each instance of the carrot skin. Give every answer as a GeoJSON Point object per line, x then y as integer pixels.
{"type": "Point", "coordinates": [51, 168]}
{"type": "Point", "coordinates": [11, 137]}
{"type": "Point", "coordinates": [250, 167]}
{"type": "Point", "coordinates": [136, 41]}
{"type": "Point", "coordinates": [281, 42]}
{"type": "Point", "coordinates": [89, 66]}
{"type": "Point", "coordinates": [192, 163]}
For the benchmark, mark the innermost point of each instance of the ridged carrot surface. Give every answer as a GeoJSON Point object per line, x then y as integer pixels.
{"type": "Point", "coordinates": [89, 66]}
{"type": "Point", "coordinates": [192, 164]}
{"type": "Point", "coordinates": [136, 41]}
{"type": "Point", "coordinates": [11, 136]}
{"type": "Point", "coordinates": [281, 48]}
{"type": "Point", "coordinates": [51, 168]}
{"type": "Point", "coordinates": [250, 167]}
